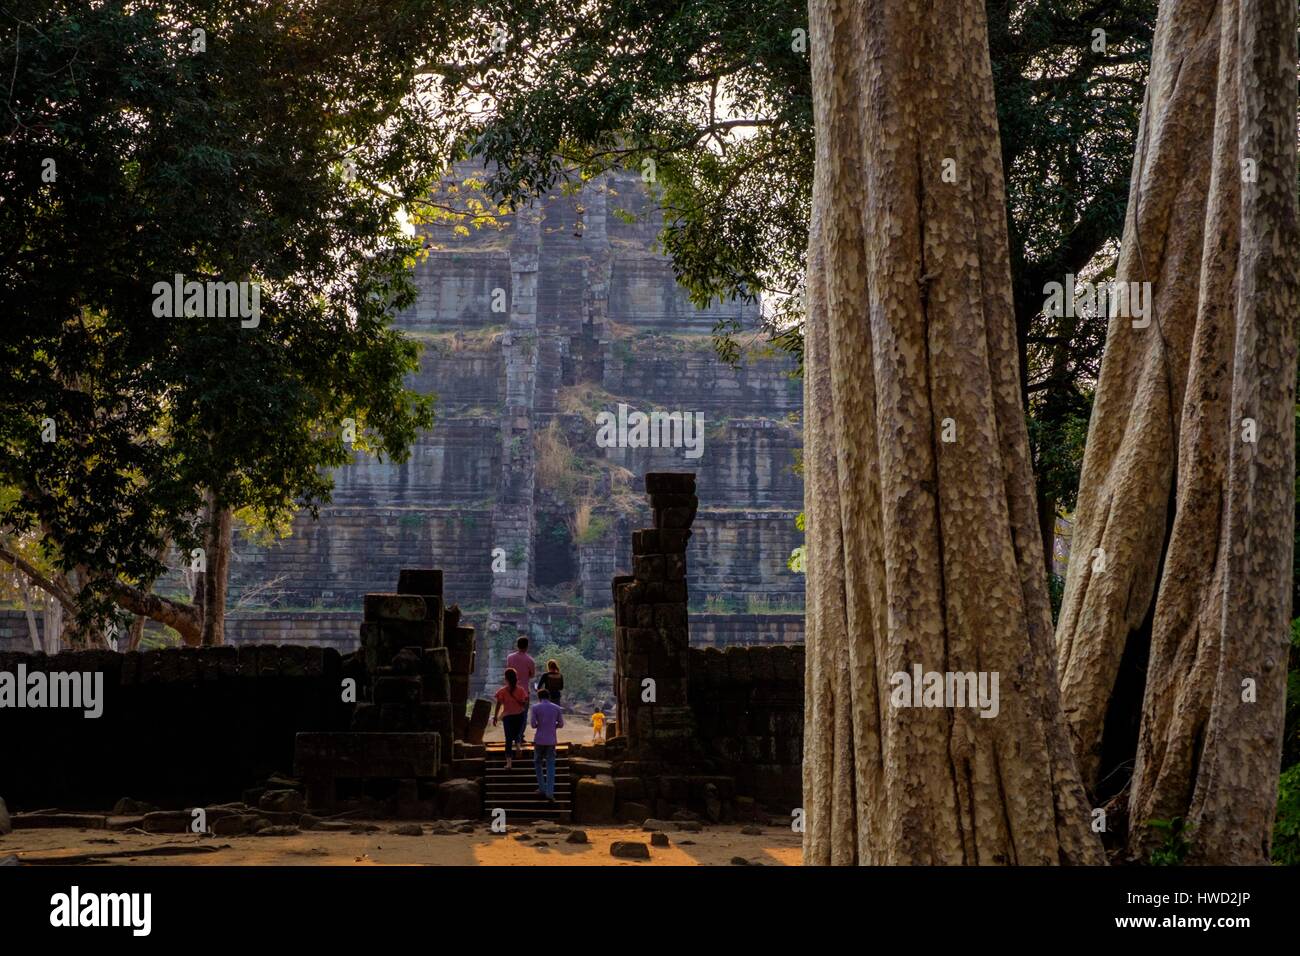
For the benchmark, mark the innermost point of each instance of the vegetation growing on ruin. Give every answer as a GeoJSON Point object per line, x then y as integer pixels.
{"type": "Point", "coordinates": [583, 677]}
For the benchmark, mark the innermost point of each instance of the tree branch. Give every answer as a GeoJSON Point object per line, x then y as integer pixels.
{"type": "Point", "coordinates": [185, 618]}
{"type": "Point", "coordinates": [41, 581]}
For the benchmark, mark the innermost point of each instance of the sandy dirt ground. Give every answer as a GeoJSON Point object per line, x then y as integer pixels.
{"type": "Point", "coordinates": [714, 846]}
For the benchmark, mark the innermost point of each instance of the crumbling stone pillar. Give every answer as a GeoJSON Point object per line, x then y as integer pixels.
{"type": "Point", "coordinates": [403, 733]}
{"type": "Point", "coordinates": [461, 655]}
{"type": "Point", "coordinates": [651, 635]}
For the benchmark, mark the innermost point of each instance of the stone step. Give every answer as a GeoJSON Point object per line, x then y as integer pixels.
{"type": "Point", "coordinates": [523, 786]}
{"type": "Point", "coordinates": [522, 773]}
{"type": "Point", "coordinates": [513, 790]}
{"type": "Point", "coordinates": [551, 816]}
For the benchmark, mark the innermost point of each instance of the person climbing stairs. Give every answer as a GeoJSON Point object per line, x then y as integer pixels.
{"type": "Point", "coordinates": [515, 790]}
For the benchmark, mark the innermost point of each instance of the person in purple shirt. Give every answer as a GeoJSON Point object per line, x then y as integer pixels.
{"type": "Point", "coordinates": [546, 718]}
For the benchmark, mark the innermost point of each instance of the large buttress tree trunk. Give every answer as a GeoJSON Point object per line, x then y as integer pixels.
{"type": "Point", "coordinates": [1182, 544]}
{"type": "Point", "coordinates": [922, 551]}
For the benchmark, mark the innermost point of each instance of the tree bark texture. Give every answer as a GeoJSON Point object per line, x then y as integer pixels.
{"type": "Point", "coordinates": [924, 545]}
{"type": "Point", "coordinates": [1183, 537]}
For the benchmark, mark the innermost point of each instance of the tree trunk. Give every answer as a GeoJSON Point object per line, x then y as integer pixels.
{"type": "Point", "coordinates": [53, 621]}
{"type": "Point", "coordinates": [924, 544]}
{"type": "Point", "coordinates": [216, 577]}
{"type": "Point", "coordinates": [1176, 506]}
{"type": "Point", "coordinates": [32, 632]}
{"type": "Point", "coordinates": [1045, 507]}
{"type": "Point", "coordinates": [136, 633]}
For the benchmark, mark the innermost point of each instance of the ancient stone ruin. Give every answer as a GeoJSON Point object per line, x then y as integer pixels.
{"type": "Point", "coordinates": [418, 662]}
{"type": "Point", "coordinates": [390, 730]}
{"type": "Point", "coordinates": [529, 331]}
{"type": "Point", "coordinates": [701, 733]}
{"type": "Point", "coordinates": [650, 624]}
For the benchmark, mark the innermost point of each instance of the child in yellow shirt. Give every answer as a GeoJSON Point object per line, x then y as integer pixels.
{"type": "Point", "coordinates": [597, 725]}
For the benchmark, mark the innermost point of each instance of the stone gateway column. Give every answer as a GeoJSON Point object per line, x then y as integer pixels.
{"type": "Point", "coordinates": [651, 636]}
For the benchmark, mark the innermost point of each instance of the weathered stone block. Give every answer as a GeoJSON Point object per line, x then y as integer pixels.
{"type": "Point", "coordinates": [282, 801]}
{"type": "Point", "coordinates": [458, 688]}
{"type": "Point", "coordinates": [397, 718]}
{"type": "Point", "coordinates": [584, 767]}
{"type": "Point", "coordinates": [397, 690]}
{"type": "Point", "coordinates": [760, 664]}
{"type": "Point", "coordinates": [436, 662]}
{"type": "Point", "coordinates": [362, 756]}
{"type": "Point", "coordinates": [670, 483]}
{"type": "Point", "coordinates": [700, 787]}
{"type": "Point", "coordinates": [633, 812]}
{"type": "Point", "coordinates": [460, 799]}
{"type": "Point", "coordinates": [649, 567]}
{"type": "Point", "coordinates": [629, 789]}
{"type": "Point", "coordinates": [394, 607]}
{"type": "Point", "coordinates": [469, 767]}
{"type": "Point", "coordinates": [478, 721]}
{"type": "Point", "coordinates": [168, 821]}
{"type": "Point", "coordinates": [784, 665]}
{"type": "Point", "coordinates": [237, 824]}
{"type": "Point", "coordinates": [459, 638]}
{"type": "Point", "coordinates": [365, 718]}
{"type": "Point", "coordinates": [629, 850]}
{"type": "Point", "coordinates": [441, 720]}
{"type": "Point", "coordinates": [593, 799]}
{"type": "Point", "coordinates": [738, 666]}
{"type": "Point", "coordinates": [461, 662]}
{"type": "Point", "coordinates": [418, 634]}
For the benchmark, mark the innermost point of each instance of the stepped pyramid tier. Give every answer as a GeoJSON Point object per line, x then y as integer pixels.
{"type": "Point", "coordinates": [535, 326]}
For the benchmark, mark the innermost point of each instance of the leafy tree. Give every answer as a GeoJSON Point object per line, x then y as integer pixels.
{"type": "Point", "coordinates": [582, 677]}
{"type": "Point", "coordinates": [266, 142]}
{"type": "Point", "coordinates": [1286, 831]}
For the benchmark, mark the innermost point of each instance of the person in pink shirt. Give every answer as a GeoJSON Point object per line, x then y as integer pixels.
{"type": "Point", "coordinates": [511, 701]}
{"type": "Point", "coordinates": [526, 668]}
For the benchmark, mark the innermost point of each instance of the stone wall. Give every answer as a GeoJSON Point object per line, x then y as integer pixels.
{"type": "Point", "coordinates": [333, 629]}
{"type": "Point", "coordinates": [748, 707]}
{"type": "Point", "coordinates": [350, 552]}
{"type": "Point", "coordinates": [724, 630]}
{"type": "Point", "coordinates": [680, 370]}
{"type": "Point", "coordinates": [178, 728]}
{"type": "Point", "coordinates": [13, 631]}
{"type": "Point", "coordinates": [690, 711]}
{"type": "Point", "coordinates": [456, 462]}
{"type": "Point", "coordinates": [456, 288]}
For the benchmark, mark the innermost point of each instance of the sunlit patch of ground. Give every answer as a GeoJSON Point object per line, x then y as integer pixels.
{"type": "Point", "coordinates": [715, 846]}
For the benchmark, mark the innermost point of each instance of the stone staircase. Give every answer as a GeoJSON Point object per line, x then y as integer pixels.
{"type": "Point", "coordinates": [515, 790]}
